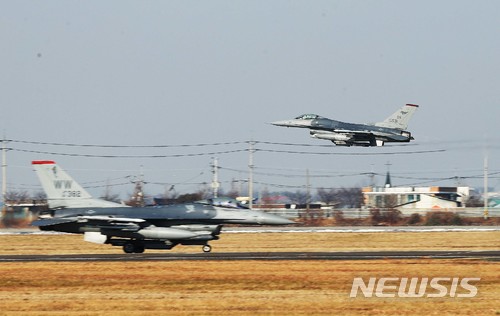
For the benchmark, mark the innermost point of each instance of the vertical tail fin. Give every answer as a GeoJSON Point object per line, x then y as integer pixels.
{"type": "Point", "coordinates": [62, 190]}
{"type": "Point", "coordinates": [400, 118]}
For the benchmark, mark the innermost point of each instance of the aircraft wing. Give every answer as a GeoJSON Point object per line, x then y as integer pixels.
{"type": "Point", "coordinates": [108, 222]}
{"type": "Point", "coordinates": [114, 223]}
{"type": "Point", "coordinates": [111, 219]}
{"type": "Point", "coordinates": [363, 135]}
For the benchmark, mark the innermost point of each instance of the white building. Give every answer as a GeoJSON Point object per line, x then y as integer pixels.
{"type": "Point", "coordinates": [415, 197]}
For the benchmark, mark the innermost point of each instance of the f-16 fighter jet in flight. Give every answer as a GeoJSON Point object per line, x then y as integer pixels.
{"type": "Point", "coordinates": [392, 129]}
{"type": "Point", "coordinates": [73, 210]}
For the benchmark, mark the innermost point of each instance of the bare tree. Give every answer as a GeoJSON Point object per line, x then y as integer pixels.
{"type": "Point", "coordinates": [298, 196]}
{"type": "Point", "coordinates": [189, 197]}
{"type": "Point", "coordinates": [112, 197]}
{"type": "Point", "coordinates": [170, 193]}
{"type": "Point", "coordinates": [17, 197]}
{"type": "Point", "coordinates": [327, 196]}
{"type": "Point", "coordinates": [344, 197]}
{"type": "Point", "coordinates": [265, 196]}
{"type": "Point", "coordinates": [232, 194]}
{"type": "Point", "coordinates": [40, 197]}
{"type": "Point", "coordinates": [350, 197]}
{"type": "Point", "coordinates": [474, 200]}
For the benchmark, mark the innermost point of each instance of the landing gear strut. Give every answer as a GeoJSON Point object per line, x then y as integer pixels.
{"type": "Point", "coordinates": [207, 248]}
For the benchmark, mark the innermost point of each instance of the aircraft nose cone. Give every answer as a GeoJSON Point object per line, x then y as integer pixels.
{"type": "Point", "coordinates": [293, 123]}
{"type": "Point", "coordinates": [271, 219]}
{"type": "Point", "coordinates": [280, 123]}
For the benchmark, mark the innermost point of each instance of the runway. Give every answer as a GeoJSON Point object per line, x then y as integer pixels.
{"type": "Point", "coordinates": [303, 229]}
{"type": "Point", "coordinates": [271, 256]}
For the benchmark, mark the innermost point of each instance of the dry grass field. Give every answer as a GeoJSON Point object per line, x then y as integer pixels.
{"type": "Point", "coordinates": [256, 242]}
{"type": "Point", "coordinates": [242, 287]}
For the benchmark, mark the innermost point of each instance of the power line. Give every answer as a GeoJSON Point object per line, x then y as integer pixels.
{"type": "Point", "coordinates": [324, 175]}
{"type": "Point", "coordinates": [351, 154]}
{"type": "Point", "coordinates": [129, 156]}
{"type": "Point", "coordinates": [334, 152]}
{"type": "Point", "coordinates": [202, 153]}
{"type": "Point", "coordinates": [126, 146]}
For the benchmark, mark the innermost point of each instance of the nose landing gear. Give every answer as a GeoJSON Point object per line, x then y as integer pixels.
{"type": "Point", "coordinates": [207, 248]}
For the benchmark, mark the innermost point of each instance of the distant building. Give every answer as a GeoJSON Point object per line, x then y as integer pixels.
{"type": "Point", "coordinates": [415, 197]}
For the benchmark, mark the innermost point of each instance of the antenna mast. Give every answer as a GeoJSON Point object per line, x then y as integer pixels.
{"type": "Point", "coordinates": [215, 179]}
{"type": "Point", "coordinates": [4, 169]}
{"type": "Point", "coordinates": [250, 174]}
{"type": "Point", "coordinates": [486, 186]}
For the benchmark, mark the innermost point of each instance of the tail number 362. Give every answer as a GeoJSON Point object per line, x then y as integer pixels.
{"type": "Point", "coordinates": [71, 194]}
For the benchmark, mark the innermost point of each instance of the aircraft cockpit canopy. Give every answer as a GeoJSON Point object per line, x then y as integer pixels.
{"type": "Point", "coordinates": [308, 117]}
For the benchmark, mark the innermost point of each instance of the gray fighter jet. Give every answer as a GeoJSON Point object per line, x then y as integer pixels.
{"type": "Point", "coordinates": [392, 129]}
{"type": "Point", "coordinates": [73, 210]}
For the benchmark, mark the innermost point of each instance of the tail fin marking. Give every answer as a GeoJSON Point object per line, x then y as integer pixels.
{"type": "Point", "coordinates": [62, 190]}
{"type": "Point", "coordinates": [400, 118]}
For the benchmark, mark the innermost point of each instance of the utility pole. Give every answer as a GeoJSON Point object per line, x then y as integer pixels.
{"type": "Point", "coordinates": [388, 183]}
{"type": "Point", "coordinates": [138, 197]}
{"type": "Point", "coordinates": [486, 186]}
{"type": "Point", "coordinates": [372, 177]}
{"type": "Point", "coordinates": [215, 178]}
{"type": "Point", "coordinates": [308, 190]}
{"type": "Point", "coordinates": [251, 151]}
{"type": "Point", "coordinates": [4, 169]}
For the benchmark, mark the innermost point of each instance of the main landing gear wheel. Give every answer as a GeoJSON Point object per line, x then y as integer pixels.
{"type": "Point", "coordinates": [207, 248]}
{"type": "Point", "coordinates": [139, 248]}
{"type": "Point", "coordinates": [131, 247]}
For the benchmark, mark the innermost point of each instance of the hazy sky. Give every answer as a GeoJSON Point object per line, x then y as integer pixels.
{"type": "Point", "coordinates": [205, 72]}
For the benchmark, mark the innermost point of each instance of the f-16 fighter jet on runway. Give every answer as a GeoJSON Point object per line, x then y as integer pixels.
{"type": "Point", "coordinates": [392, 129]}
{"type": "Point", "coordinates": [73, 210]}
